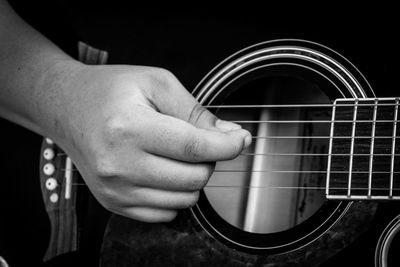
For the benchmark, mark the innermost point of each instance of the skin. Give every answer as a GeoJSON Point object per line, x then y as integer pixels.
{"type": "Point", "coordinates": [143, 144]}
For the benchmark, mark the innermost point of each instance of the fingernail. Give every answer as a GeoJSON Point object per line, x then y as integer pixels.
{"type": "Point", "coordinates": [247, 140]}
{"type": "Point", "coordinates": [227, 125]}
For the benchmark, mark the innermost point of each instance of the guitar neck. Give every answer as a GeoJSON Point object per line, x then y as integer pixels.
{"type": "Point", "coordinates": [364, 155]}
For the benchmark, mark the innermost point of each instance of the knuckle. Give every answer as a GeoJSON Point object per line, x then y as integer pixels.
{"type": "Point", "coordinates": [161, 78]}
{"type": "Point", "coordinates": [193, 149]}
{"type": "Point", "coordinates": [109, 195]}
{"type": "Point", "coordinates": [166, 74]}
{"type": "Point", "coordinates": [156, 176]}
{"type": "Point", "coordinates": [198, 111]}
{"type": "Point", "coordinates": [104, 167]}
{"type": "Point", "coordinates": [114, 130]}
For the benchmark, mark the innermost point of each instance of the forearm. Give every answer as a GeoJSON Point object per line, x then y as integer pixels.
{"type": "Point", "coordinates": [32, 73]}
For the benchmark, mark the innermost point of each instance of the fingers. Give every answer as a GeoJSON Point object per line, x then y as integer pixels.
{"type": "Point", "coordinates": [210, 140]}
{"type": "Point", "coordinates": [171, 98]}
{"type": "Point", "coordinates": [180, 140]}
{"type": "Point", "coordinates": [168, 174]}
{"type": "Point", "coordinates": [150, 215]}
{"type": "Point", "coordinates": [151, 163]}
{"type": "Point", "coordinates": [154, 193]}
{"type": "Point", "coordinates": [149, 204]}
{"type": "Point", "coordinates": [157, 198]}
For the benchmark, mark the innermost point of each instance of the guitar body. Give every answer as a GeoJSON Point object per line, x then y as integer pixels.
{"type": "Point", "coordinates": [205, 235]}
{"type": "Point", "coordinates": [185, 243]}
{"type": "Point", "coordinates": [32, 228]}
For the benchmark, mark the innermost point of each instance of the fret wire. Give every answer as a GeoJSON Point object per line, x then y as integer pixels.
{"type": "Point", "coordinates": [330, 148]}
{"type": "Point", "coordinates": [371, 157]}
{"type": "Point", "coordinates": [396, 108]}
{"type": "Point", "coordinates": [353, 133]}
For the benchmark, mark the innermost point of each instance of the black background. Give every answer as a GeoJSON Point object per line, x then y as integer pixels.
{"type": "Point", "coordinates": [189, 41]}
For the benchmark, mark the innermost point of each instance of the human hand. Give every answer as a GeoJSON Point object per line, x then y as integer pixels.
{"type": "Point", "coordinates": [143, 144]}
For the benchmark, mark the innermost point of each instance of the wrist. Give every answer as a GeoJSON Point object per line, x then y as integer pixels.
{"type": "Point", "coordinates": [53, 91]}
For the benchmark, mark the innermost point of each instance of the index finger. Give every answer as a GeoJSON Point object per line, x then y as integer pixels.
{"type": "Point", "coordinates": [177, 139]}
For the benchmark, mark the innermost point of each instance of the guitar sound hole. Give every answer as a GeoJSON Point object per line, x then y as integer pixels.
{"type": "Point", "coordinates": [279, 181]}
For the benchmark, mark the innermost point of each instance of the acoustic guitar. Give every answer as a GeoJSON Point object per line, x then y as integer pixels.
{"type": "Point", "coordinates": [322, 171]}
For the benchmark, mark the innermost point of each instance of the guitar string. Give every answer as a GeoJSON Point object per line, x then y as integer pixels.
{"type": "Point", "coordinates": [307, 172]}
{"type": "Point", "coordinates": [307, 137]}
{"type": "Point", "coordinates": [301, 105]}
{"type": "Point", "coordinates": [335, 104]}
{"type": "Point", "coordinates": [285, 187]}
{"type": "Point", "coordinates": [295, 137]}
{"type": "Point", "coordinates": [304, 154]}
{"type": "Point", "coordinates": [282, 171]}
{"type": "Point", "coordinates": [316, 154]}
{"type": "Point", "coordinates": [312, 121]}
{"type": "Point", "coordinates": [323, 137]}
{"type": "Point", "coordinates": [307, 154]}
{"type": "Point", "coordinates": [305, 106]}
{"type": "Point", "coordinates": [282, 187]}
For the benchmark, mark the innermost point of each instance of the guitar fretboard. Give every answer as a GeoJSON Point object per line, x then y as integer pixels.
{"type": "Point", "coordinates": [364, 153]}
